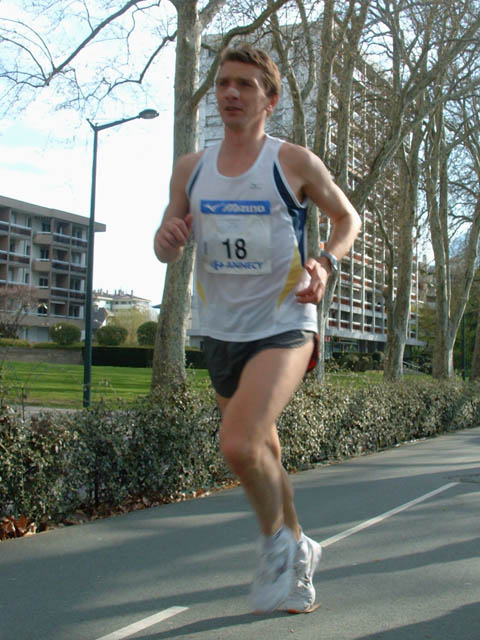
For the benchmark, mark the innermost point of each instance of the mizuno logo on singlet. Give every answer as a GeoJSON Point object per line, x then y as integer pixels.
{"type": "Point", "coordinates": [235, 207]}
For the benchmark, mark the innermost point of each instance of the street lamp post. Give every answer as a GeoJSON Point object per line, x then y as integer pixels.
{"type": "Point", "coordinates": [146, 114]}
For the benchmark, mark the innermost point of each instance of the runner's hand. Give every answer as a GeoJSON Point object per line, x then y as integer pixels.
{"type": "Point", "coordinates": [174, 233]}
{"type": "Point", "coordinates": [315, 290]}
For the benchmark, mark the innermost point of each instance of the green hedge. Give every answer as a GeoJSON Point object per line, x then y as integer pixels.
{"type": "Point", "coordinates": [163, 447]}
{"type": "Point", "coordinates": [122, 356]}
{"type": "Point", "coordinates": [76, 346]}
{"type": "Point", "coordinates": [14, 342]}
{"type": "Point", "coordinates": [138, 357]}
{"type": "Point", "coordinates": [356, 361]}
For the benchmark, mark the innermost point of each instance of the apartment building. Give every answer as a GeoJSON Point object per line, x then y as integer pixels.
{"type": "Point", "coordinates": [119, 300]}
{"type": "Point", "coordinates": [46, 250]}
{"type": "Point", "coordinates": [357, 317]}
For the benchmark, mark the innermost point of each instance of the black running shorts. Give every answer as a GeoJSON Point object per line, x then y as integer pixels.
{"type": "Point", "coordinates": [226, 360]}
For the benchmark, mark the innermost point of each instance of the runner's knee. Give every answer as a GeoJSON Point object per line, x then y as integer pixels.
{"type": "Point", "coordinates": [274, 445]}
{"type": "Point", "coordinates": [239, 452]}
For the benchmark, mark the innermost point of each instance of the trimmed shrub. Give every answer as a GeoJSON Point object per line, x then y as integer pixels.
{"type": "Point", "coordinates": [146, 333]}
{"type": "Point", "coordinates": [111, 335]}
{"type": "Point", "coordinates": [166, 446]}
{"type": "Point", "coordinates": [64, 333]}
{"type": "Point", "coordinates": [35, 474]}
{"type": "Point", "coordinates": [348, 361]}
{"type": "Point", "coordinates": [14, 342]}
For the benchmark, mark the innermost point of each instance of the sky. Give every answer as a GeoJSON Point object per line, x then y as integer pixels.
{"type": "Point", "coordinates": [46, 159]}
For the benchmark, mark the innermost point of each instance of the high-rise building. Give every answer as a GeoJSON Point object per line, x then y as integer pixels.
{"type": "Point", "coordinates": [45, 250]}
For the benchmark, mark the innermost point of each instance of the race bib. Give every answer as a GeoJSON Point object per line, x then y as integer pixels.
{"type": "Point", "coordinates": [237, 236]}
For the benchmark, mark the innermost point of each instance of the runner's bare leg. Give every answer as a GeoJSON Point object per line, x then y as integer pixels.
{"type": "Point", "coordinates": [266, 386]}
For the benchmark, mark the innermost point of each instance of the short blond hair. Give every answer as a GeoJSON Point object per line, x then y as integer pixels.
{"type": "Point", "coordinates": [250, 55]}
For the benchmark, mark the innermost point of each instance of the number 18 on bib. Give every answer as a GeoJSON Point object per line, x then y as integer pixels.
{"type": "Point", "coordinates": [236, 237]}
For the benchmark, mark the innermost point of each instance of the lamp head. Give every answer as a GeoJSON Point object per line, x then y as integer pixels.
{"type": "Point", "coordinates": [148, 114]}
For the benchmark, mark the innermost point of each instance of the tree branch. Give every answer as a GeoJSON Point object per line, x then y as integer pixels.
{"type": "Point", "coordinates": [233, 33]}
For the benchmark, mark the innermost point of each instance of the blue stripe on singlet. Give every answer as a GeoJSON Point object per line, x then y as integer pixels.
{"type": "Point", "coordinates": [297, 213]}
{"type": "Point", "coordinates": [193, 179]}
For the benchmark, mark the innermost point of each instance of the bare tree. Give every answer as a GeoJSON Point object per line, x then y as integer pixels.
{"type": "Point", "coordinates": [335, 39]}
{"type": "Point", "coordinates": [475, 373]}
{"type": "Point", "coordinates": [452, 159]}
{"type": "Point", "coordinates": [399, 305]}
{"type": "Point", "coordinates": [38, 51]}
{"type": "Point", "coordinates": [418, 42]}
{"type": "Point", "coordinates": [421, 41]}
{"type": "Point", "coordinates": [16, 301]}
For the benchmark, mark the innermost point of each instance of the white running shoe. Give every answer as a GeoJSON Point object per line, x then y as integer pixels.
{"type": "Point", "coordinates": [302, 596]}
{"type": "Point", "coordinates": [275, 574]}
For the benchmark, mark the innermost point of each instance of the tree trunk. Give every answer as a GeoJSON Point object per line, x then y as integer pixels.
{"type": "Point", "coordinates": [331, 46]}
{"type": "Point", "coordinates": [451, 297]}
{"type": "Point", "coordinates": [169, 353]}
{"type": "Point", "coordinates": [398, 333]}
{"type": "Point", "coordinates": [475, 375]}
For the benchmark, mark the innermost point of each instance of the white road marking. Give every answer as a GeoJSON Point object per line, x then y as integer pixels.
{"type": "Point", "coordinates": [131, 629]}
{"type": "Point", "coordinates": [383, 516]}
{"type": "Point", "coordinates": [143, 624]}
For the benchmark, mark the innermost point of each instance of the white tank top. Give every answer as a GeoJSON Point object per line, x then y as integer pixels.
{"type": "Point", "coordinates": [250, 232]}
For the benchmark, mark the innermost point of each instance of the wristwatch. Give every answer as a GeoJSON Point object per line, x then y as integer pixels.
{"type": "Point", "coordinates": [334, 265]}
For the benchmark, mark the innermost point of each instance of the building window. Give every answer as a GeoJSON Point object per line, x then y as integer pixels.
{"type": "Point", "coordinates": [75, 284]}
{"type": "Point", "coordinates": [213, 121]}
{"type": "Point", "coordinates": [46, 226]}
{"type": "Point", "coordinates": [43, 282]}
{"type": "Point", "coordinates": [44, 254]}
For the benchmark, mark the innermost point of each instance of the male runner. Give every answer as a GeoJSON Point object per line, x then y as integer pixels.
{"type": "Point", "coordinates": [246, 200]}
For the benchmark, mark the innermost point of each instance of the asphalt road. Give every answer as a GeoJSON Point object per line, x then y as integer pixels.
{"type": "Point", "coordinates": [401, 536]}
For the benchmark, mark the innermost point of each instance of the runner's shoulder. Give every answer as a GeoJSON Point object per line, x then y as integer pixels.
{"type": "Point", "coordinates": [187, 163]}
{"type": "Point", "coordinates": [296, 156]}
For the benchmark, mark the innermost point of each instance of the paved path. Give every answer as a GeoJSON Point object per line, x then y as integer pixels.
{"type": "Point", "coordinates": [401, 561]}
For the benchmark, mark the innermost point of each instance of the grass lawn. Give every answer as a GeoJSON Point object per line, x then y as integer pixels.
{"type": "Point", "coordinates": [348, 379]}
{"type": "Point", "coordinates": [61, 385]}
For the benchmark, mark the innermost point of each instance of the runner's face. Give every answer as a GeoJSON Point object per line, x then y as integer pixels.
{"type": "Point", "coordinates": [241, 96]}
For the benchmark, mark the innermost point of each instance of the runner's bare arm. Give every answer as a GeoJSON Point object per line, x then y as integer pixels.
{"type": "Point", "coordinates": [174, 231]}
{"type": "Point", "coordinates": [310, 178]}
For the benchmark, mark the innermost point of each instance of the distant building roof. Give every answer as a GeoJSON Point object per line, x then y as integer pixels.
{"type": "Point", "coordinates": [46, 212]}
{"type": "Point", "coordinates": [118, 295]}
